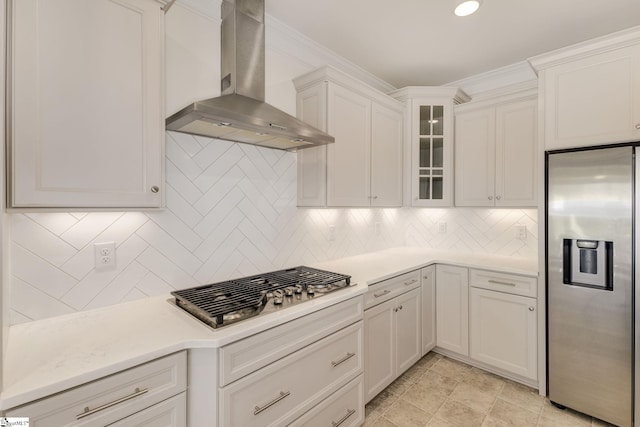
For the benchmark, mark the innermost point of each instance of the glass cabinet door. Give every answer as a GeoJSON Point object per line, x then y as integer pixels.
{"type": "Point", "coordinates": [431, 153]}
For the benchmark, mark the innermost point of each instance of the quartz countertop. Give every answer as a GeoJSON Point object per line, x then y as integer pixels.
{"type": "Point", "coordinates": [51, 355]}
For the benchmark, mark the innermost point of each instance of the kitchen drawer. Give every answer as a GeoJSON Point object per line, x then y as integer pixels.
{"type": "Point", "coordinates": [390, 288]}
{"type": "Point", "coordinates": [119, 396]}
{"type": "Point", "coordinates": [343, 408]}
{"type": "Point", "coordinates": [168, 413]}
{"type": "Point", "coordinates": [250, 354]}
{"type": "Point", "coordinates": [281, 392]}
{"type": "Point", "coordinates": [504, 282]}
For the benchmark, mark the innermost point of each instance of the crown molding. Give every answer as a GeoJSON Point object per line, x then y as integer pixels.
{"type": "Point", "coordinates": [617, 40]}
{"type": "Point", "coordinates": [456, 94]}
{"type": "Point", "coordinates": [496, 79]}
{"type": "Point", "coordinates": [208, 8]}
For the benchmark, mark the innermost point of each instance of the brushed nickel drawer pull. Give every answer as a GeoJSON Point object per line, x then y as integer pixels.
{"type": "Point", "coordinates": [258, 409]}
{"type": "Point", "coordinates": [498, 282]}
{"type": "Point", "coordinates": [343, 419]}
{"type": "Point", "coordinates": [386, 291]}
{"type": "Point", "coordinates": [87, 411]}
{"type": "Point", "coordinates": [344, 359]}
{"type": "Point", "coordinates": [410, 282]}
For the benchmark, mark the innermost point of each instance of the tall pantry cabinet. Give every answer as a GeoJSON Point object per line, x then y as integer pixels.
{"type": "Point", "coordinates": [363, 168]}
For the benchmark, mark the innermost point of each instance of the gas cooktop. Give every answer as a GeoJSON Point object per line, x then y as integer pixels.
{"type": "Point", "coordinates": [224, 303]}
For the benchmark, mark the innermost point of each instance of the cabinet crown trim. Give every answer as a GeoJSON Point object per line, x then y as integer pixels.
{"type": "Point", "coordinates": [617, 40]}
{"type": "Point", "coordinates": [333, 75]}
{"type": "Point", "coordinates": [410, 92]}
{"type": "Point", "coordinates": [517, 92]}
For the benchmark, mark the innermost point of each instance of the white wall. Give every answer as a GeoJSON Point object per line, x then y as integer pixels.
{"type": "Point", "coordinates": [230, 207]}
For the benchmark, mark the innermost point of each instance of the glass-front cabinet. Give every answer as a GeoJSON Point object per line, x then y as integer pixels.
{"type": "Point", "coordinates": [428, 162]}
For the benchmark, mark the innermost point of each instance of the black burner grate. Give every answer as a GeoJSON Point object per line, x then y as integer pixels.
{"type": "Point", "coordinates": [225, 302]}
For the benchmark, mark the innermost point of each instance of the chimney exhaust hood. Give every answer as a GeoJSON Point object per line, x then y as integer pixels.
{"type": "Point", "coordinates": [240, 113]}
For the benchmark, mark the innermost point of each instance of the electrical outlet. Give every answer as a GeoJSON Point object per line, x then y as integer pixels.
{"type": "Point", "coordinates": [442, 227]}
{"type": "Point", "coordinates": [332, 233]}
{"type": "Point", "coordinates": [105, 255]}
{"type": "Point", "coordinates": [521, 232]}
{"type": "Point", "coordinates": [376, 228]}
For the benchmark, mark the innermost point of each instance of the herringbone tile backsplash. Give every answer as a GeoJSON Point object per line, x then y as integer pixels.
{"type": "Point", "coordinates": [231, 211]}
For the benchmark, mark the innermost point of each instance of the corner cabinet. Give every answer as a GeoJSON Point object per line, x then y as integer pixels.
{"type": "Point", "coordinates": [452, 302]}
{"type": "Point", "coordinates": [363, 168]}
{"type": "Point", "coordinates": [496, 149]}
{"type": "Point", "coordinates": [86, 103]}
{"type": "Point", "coordinates": [591, 91]}
{"type": "Point", "coordinates": [428, 158]}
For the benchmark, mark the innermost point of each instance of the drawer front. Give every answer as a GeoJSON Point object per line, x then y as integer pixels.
{"type": "Point", "coordinates": [504, 282]}
{"type": "Point", "coordinates": [168, 413]}
{"type": "Point", "coordinates": [344, 408]}
{"type": "Point", "coordinates": [111, 398]}
{"type": "Point", "coordinates": [281, 392]}
{"type": "Point", "coordinates": [391, 288]}
{"type": "Point", "coordinates": [250, 354]}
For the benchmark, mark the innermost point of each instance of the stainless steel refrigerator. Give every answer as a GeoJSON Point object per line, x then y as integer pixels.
{"type": "Point", "coordinates": [591, 196]}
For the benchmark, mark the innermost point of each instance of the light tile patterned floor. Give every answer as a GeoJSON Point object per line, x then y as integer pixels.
{"type": "Point", "coordinates": [441, 392]}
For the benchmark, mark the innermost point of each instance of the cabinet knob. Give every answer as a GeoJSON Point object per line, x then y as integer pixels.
{"type": "Point", "coordinates": [638, 126]}
{"type": "Point", "coordinates": [531, 309]}
{"type": "Point", "coordinates": [498, 197]}
{"type": "Point", "coordinates": [155, 189]}
{"type": "Point", "coordinates": [490, 197]}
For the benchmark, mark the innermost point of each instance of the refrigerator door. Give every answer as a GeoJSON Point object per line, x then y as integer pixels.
{"type": "Point", "coordinates": [589, 282]}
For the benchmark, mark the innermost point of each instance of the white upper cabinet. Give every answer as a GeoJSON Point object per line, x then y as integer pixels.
{"type": "Point", "coordinates": [86, 103]}
{"type": "Point", "coordinates": [428, 161]}
{"type": "Point", "coordinates": [496, 151]}
{"type": "Point", "coordinates": [363, 168]}
{"type": "Point", "coordinates": [591, 92]}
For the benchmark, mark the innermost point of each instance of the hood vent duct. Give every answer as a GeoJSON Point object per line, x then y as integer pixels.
{"type": "Point", "coordinates": [240, 113]}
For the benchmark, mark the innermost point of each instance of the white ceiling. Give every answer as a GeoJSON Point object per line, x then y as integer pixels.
{"type": "Point", "coordinates": [421, 42]}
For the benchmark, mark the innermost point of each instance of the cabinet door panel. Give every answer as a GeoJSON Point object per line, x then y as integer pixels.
{"type": "Point", "coordinates": [428, 309]}
{"type": "Point", "coordinates": [312, 162]}
{"type": "Point", "coordinates": [348, 159]}
{"type": "Point", "coordinates": [475, 157]}
{"type": "Point", "coordinates": [516, 154]}
{"type": "Point", "coordinates": [87, 103]}
{"type": "Point", "coordinates": [593, 100]}
{"type": "Point", "coordinates": [379, 353]}
{"type": "Point", "coordinates": [408, 330]}
{"type": "Point", "coordinates": [386, 157]}
{"type": "Point", "coordinates": [503, 331]}
{"type": "Point", "coordinates": [452, 300]}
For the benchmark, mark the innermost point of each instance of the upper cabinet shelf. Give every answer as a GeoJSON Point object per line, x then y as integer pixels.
{"type": "Point", "coordinates": [86, 103]}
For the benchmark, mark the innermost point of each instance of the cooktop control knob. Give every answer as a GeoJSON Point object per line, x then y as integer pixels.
{"type": "Point", "coordinates": [298, 289]}
{"type": "Point", "coordinates": [277, 297]}
{"type": "Point", "coordinates": [288, 291]}
{"type": "Point", "coordinates": [310, 291]}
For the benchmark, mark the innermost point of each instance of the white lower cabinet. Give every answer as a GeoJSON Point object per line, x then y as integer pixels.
{"type": "Point", "coordinates": [452, 314]}
{"type": "Point", "coordinates": [504, 332]}
{"type": "Point", "coordinates": [428, 282]}
{"type": "Point", "coordinates": [393, 334]}
{"type": "Point", "coordinates": [149, 394]}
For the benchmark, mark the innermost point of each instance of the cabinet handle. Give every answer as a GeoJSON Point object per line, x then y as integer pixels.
{"type": "Point", "coordinates": [343, 419]}
{"type": "Point", "coordinates": [490, 197]}
{"type": "Point", "coordinates": [87, 411]}
{"type": "Point", "coordinates": [498, 197]}
{"type": "Point", "coordinates": [378, 295]}
{"type": "Point", "coordinates": [531, 309]}
{"type": "Point", "coordinates": [498, 282]}
{"type": "Point", "coordinates": [400, 308]}
{"type": "Point", "coordinates": [258, 409]}
{"type": "Point", "coordinates": [344, 359]}
{"type": "Point", "coordinates": [638, 126]}
{"type": "Point", "coordinates": [155, 189]}
{"type": "Point", "coordinates": [410, 282]}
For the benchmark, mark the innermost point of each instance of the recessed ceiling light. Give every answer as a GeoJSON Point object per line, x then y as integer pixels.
{"type": "Point", "coordinates": [465, 8]}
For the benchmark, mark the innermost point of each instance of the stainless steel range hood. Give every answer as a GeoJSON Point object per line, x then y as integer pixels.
{"type": "Point", "coordinates": [240, 113]}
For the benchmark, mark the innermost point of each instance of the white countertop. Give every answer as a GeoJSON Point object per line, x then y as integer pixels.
{"type": "Point", "coordinates": [48, 356]}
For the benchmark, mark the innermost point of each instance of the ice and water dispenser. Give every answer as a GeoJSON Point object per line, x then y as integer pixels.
{"type": "Point", "coordinates": [588, 263]}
